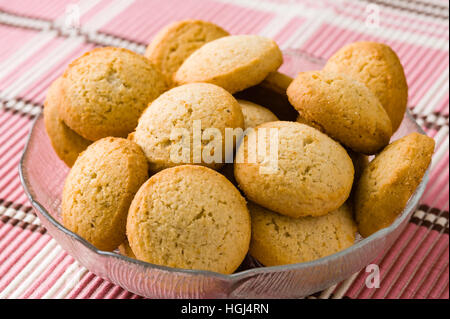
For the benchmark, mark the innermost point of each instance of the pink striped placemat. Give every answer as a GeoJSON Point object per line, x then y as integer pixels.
{"type": "Point", "coordinates": [36, 46]}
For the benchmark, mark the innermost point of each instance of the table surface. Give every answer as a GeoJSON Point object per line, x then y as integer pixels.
{"type": "Point", "coordinates": [35, 49]}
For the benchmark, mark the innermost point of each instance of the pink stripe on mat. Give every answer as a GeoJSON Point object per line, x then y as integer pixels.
{"type": "Point", "coordinates": [37, 92]}
{"type": "Point", "coordinates": [416, 266]}
{"type": "Point", "coordinates": [48, 9]}
{"type": "Point", "coordinates": [32, 291]}
{"type": "Point", "coordinates": [286, 33]}
{"type": "Point", "coordinates": [53, 277]}
{"type": "Point", "coordinates": [21, 256]}
{"type": "Point", "coordinates": [15, 38]}
{"type": "Point", "coordinates": [420, 257]}
{"type": "Point", "coordinates": [432, 266]}
{"type": "Point", "coordinates": [237, 20]}
{"type": "Point", "coordinates": [29, 63]}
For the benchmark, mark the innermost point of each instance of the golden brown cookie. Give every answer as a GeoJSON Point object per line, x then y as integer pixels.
{"type": "Point", "coordinates": [105, 91]}
{"type": "Point", "coordinates": [174, 43]}
{"type": "Point", "coordinates": [378, 67]}
{"type": "Point", "coordinates": [360, 162]}
{"type": "Point", "coordinates": [255, 114]}
{"type": "Point", "coordinates": [302, 120]}
{"type": "Point", "coordinates": [125, 249]}
{"type": "Point", "coordinates": [343, 108]}
{"type": "Point", "coordinates": [234, 62]}
{"type": "Point", "coordinates": [277, 82]}
{"type": "Point", "coordinates": [310, 174]}
{"type": "Point", "coordinates": [66, 143]}
{"type": "Point", "coordinates": [176, 116]}
{"type": "Point", "coordinates": [280, 240]}
{"type": "Point", "coordinates": [99, 189]}
{"type": "Point", "coordinates": [189, 217]}
{"type": "Point", "coordinates": [389, 180]}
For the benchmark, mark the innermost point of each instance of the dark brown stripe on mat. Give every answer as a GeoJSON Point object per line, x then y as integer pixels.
{"type": "Point", "coordinates": [433, 225]}
{"type": "Point", "coordinates": [22, 224]}
{"type": "Point", "coordinates": [61, 33]}
{"type": "Point", "coordinates": [20, 112]}
{"type": "Point", "coordinates": [432, 124]}
{"type": "Point", "coordinates": [434, 211]}
{"type": "Point", "coordinates": [426, 4]}
{"type": "Point", "coordinates": [16, 206]}
{"type": "Point", "coordinates": [17, 222]}
{"type": "Point", "coordinates": [441, 15]}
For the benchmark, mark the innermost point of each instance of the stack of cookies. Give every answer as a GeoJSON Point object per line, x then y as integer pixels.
{"type": "Point", "coordinates": [173, 163]}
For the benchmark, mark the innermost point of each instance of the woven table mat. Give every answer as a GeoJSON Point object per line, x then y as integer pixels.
{"type": "Point", "coordinates": [39, 38]}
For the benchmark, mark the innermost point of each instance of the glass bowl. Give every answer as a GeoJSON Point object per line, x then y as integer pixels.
{"type": "Point", "coordinates": [42, 175]}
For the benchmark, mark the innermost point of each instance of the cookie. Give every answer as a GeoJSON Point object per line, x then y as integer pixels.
{"type": "Point", "coordinates": [189, 217]}
{"type": "Point", "coordinates": [389, 180]}
{"type": "Point", "coordinates": [255, 114]}
{"type": "Point", "coordinates": [173, 44]}
{"type": "Point", "coordinates": [280, 240]}
{"type": "Point", "coordinates": [360, 162]}
{"type": "Point", "coordinates": [275, 102]}
{"type": "Point", "coordinates": [105, 91]}
{"type": "Point", "coordinates": [277, 82]}
{"type": "Point", "coordinates": [300, 119]}
{"type": "Point", "coordinates": [378, 67]}
{"type": "Point", "coordinates": [233, 62]}
{"type": "Point", "coordinates": [173, 119]}
{"type": "Point", "coordinates": [125, 249]}
{"type": "Point", "coordinates": [66, 143]}
{"type": "Point", "coordinates": [309, 174]}
{"type": "Point", "coordinates": [99, 188]}
{"type": "Point", "coordinates": [343, 108]}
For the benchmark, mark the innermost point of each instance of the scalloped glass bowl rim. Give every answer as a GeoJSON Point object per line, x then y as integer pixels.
{"type": "Point", "coordinates": [413, 201]}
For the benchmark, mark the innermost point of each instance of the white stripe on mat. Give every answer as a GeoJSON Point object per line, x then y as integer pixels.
{"type": "Point", "coordinates": [106, 15]}
{"type": "Point", "coordinates": [434, 95]}
{"type": "Point", "coordinates": [28, 276]}
{"type": "Point", "coordinates": [29, 273]}
{"type": "Point", "coordinates": [26, 51]}
{"type": "Point", "coordinates": [68, 280]}
{"type": "Point", "coordinates": [339, 20]}
{"type": "Point", "coordinates": [96, 22]}
{"type": "Point", "coordinates": [40, 68]}
{"type": "Point", "coordinates": [39, 41]}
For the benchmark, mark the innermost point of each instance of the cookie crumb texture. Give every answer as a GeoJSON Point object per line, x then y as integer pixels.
{"type": "Point", "coordinates": [173, 44]}
{"type": "Point", "coordinates": [106, 90]}
{"type": "Point", "coordinates": [313, 176]}
{"type": "Point", "coordinates": [99, 189]}
{"type": "Point", "coordinates": [189, 217]}
{"type": "Point", "coordinates": [177, 109]}
{"type": "Point", "coordinates": [66, 143]}
{"type": "Point", "coordinates": [233, 62]}
{"type": "Point", "coordinates": [280, 240]}
{"type": "Point", "coordinates": [378, 67]}
{"type": "Point", "coordinates": [388, 182]}
{"type": "Point", "coordinates": [343, 108]}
